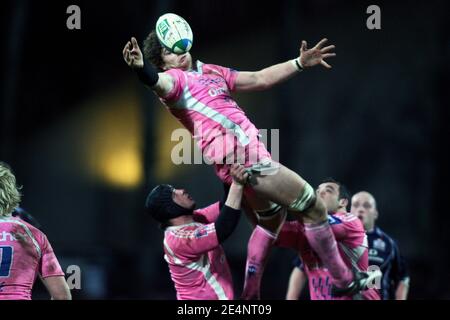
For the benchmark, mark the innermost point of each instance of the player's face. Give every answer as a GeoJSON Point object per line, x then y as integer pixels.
{"type": "Point", "coordinates": [363, 206]}
{"type": "Point", "coordinates": [329, 193]}
{"type": "Point", "coordinates": [178, 61]}
{"type": "Point", "coordinates": [183, 199]}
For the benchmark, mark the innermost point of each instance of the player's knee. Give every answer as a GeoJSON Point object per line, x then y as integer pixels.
{"type": "Point", "coordinates": [305, 200]}
{"type": "Point", "coordinates": [309, 206]}
{"type": "Point", "coordinates": [271, 219]}
{"type": "Point", "coordinates": [317, 212]}
{"type": "Point", "coordinates": [269, 213]}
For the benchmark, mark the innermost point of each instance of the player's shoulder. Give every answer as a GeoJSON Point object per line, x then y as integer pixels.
{"type": "Point", "coordinates": [212, 207]}
{"type": "Point", "coordinates": [386, 237]}
{"type": "Point", "coordinates": [341, 217]}
{"type": "Point", "coordinates": [188, 231]}
{"type": "Point", "coordinates": [211, 69]}
{"type": "Point", "coordinates": [27, 228]}
{"type": "Point", "coordinates": [20, 222]}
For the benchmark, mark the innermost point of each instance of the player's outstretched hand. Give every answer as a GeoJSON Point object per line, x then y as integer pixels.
{"type": "Point", "coordinates": [132, 54]}
{"type": "Point", "coordinates": [239, 173]}
{"type": "Point", "coordinates": [315, 55]}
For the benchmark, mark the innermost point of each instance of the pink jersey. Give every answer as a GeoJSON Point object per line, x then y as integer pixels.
{"type": "Point", "coordinates": [201, 100]}
{"type": "Point", "coordinates": [24, 253]}
{"type": "Point", "coordinates": [353, 247]}
{"type": "Point", "coordinates": [197, 262]}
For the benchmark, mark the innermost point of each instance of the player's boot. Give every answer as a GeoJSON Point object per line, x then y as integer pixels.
{"type": "Point", "coordinates": [361, 280]}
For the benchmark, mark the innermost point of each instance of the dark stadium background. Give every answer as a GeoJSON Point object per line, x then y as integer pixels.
{"type": "Point", "coordinates": [87, 141]}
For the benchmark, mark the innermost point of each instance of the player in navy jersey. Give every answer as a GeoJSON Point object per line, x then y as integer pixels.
{"type": "Point", "coordinates": [383, 250]}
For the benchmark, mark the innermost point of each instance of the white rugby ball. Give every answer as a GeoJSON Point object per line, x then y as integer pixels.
{"type": "Point", "coordinates": [174, 33]}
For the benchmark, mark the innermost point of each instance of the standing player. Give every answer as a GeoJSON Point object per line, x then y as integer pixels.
{"type": "Point", "coordinates": [199, 96]}
{"type": "Point", "coordinates": [383, 250]}
{"type": "Point", "coordinates": [193, 238]}
{"type": "Point", "coordinates": [352, 243]}
{"type": "Point", "coordinates": [25, 251]}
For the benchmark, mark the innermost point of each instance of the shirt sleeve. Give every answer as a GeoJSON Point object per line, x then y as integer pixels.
{"type": "Point", "coordinates": [288, 236]}
{"type": "Point", "coordinates": [208, 214]}
{"type": "Point", "coordinates": [346, 228]}
{"type": "Point", "coordinates": [195, 242]}
{"type": "Point", "coordinates": [177, 89]}
{"type": "Point", "coordinates": [49, 265]}
{"type": "Point", "coordinates": [298, 263]}
{"type": "Point", "coordinates": [229, 75]}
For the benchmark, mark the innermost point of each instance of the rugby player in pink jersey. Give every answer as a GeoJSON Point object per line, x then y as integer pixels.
{"type": "Point", "coordinates": [25, 251]}
{"type": "Point", "coordinates": [199, 96]}
{"type": "Point", "coordinates": [352, 243]}
{"type": "Point", "coordinates": [192, 238]}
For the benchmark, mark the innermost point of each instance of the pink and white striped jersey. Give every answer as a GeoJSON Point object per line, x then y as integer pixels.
{"type": "Point", "coordinates": [353, 247]}
{"type": "Point", "coordinates": [25, 252]}
{"type": "Point", "coordinates": [201, 100]}
{"type": "Point", "coordinates": [197, 262]}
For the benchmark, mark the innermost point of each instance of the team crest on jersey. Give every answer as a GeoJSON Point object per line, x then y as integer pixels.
{"type": "Point", "coordinates": [379, 244]}
{"type": "Point", "coordinates": [203, 232]}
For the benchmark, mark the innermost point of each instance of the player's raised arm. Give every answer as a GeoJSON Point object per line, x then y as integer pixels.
{"type": "Point", "coordinates": [230, 212]}
{"type": "Point", "coordinates": [161, 83]}
{"type": "Point", "coordinates": [268, 77]}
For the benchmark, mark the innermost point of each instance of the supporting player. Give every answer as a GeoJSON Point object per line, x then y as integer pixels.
{"type": "Point", "coordinates": [193, 238]}
{"type": "Point", "coordinates": [352, 243]}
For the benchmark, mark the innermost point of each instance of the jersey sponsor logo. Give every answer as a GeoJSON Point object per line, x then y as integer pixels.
{"type": "Point", "coordinates": [379, 244]}
{"type": "Point", "coordinates": [214, 92]}
{"type": "Point", "coordinates": [333, 220]}
{"type": "Point", "coordinates": [6, 236]}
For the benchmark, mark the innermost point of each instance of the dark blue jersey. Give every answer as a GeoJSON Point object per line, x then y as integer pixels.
{"type": "Point", "coordinates": [384, 253]}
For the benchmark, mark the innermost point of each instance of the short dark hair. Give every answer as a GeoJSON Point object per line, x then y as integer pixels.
{"type": "Point", "coordinates": [343, 191]}
{"type": "Point", "coordinates": [153, 50]}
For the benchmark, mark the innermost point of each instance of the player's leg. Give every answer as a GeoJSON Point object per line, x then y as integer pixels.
{"type": "Point", "coordinates": [287, 188]}
{"type": "Point", "coordinates": [267, 219]}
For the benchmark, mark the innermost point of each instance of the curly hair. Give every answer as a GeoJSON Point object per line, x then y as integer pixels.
{"type": "Point", "coordinates": [9, 191]}
{"type": "Point", "coordinates": [153, 50]}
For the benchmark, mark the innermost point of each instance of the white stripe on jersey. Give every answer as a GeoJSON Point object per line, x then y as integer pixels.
{"type": "Point", "coordinates": [203, 265]}
{"type": "Point", "coordinates": [187, 101]}
{"type": "Point", "coordinates": [187, 234]}
{"type": "Point", "coordinates": [354, 254]}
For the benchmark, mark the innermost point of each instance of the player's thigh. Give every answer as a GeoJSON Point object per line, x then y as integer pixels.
{"type": "Point", "coordinates": [283, 187]}
{"type": "Point", "coordinates": [253, 203]}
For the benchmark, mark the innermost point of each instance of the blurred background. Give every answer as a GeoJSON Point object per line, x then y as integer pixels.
{"type": "Point", "coordinates": [87, 141]}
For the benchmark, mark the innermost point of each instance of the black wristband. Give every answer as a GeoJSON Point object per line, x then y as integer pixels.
{"type": "Point", "coordinates": [148, 75]}
{"type": "Point", "coordinates": [300, 68]}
